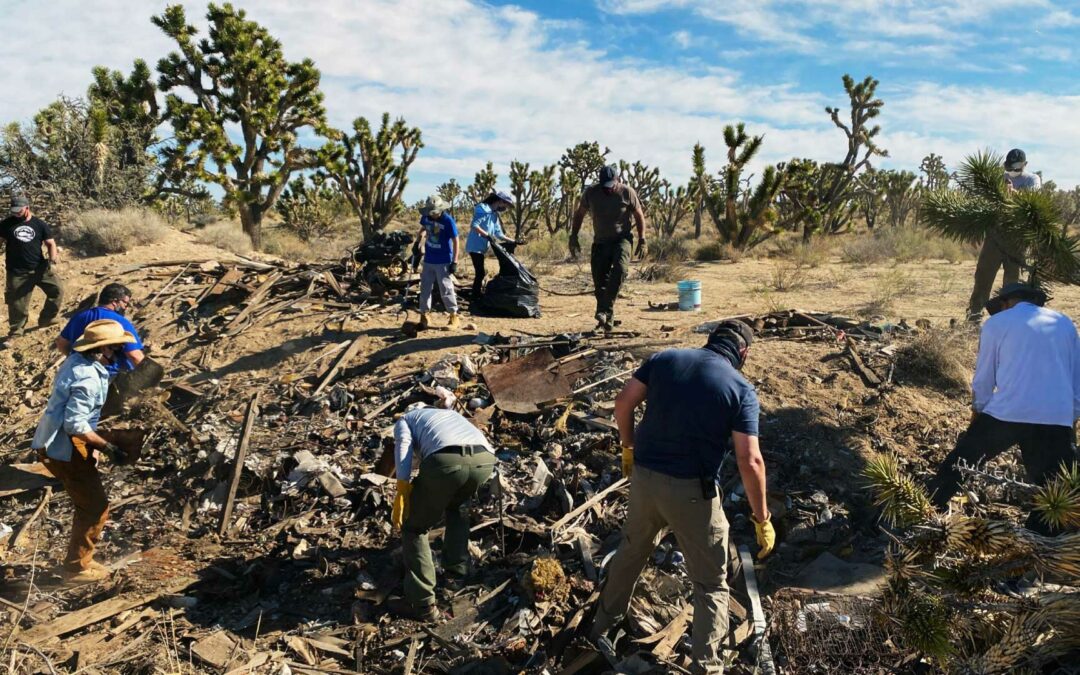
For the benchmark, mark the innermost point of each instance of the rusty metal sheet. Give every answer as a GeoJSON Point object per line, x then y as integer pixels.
{"type": "Point", "coordinates": [519, 385]}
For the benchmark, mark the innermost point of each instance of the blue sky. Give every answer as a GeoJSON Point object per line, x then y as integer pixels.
{"type": "Point", "coordinates": [647, 78]}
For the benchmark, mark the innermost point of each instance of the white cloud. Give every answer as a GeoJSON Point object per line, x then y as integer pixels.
{"type": "Point", "coordinates": [683, 39]}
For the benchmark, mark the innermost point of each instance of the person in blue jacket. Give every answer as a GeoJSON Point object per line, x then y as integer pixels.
{"type": "Point", "coordinates": [485, 227]}
{"type": "Point", "coordinates": [113, 303]}
{"type": "Point", "coordinates": [439, 236]}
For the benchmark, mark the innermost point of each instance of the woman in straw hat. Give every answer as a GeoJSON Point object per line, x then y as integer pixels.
{"type": "Point", "coordinates": [68, 443]}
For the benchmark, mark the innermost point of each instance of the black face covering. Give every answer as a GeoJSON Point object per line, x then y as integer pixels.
{"type": "Point", "coordinates": [728, 347]}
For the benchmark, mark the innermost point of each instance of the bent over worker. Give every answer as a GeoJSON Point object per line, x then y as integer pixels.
{"type": "Point", "coordinates": [612, 204]}
{"type": "Point", "coordinates": [695, 400]}
{"type": "Point", "coordinates": [113, 303]}
{"type": "Point", "coordinates": [68, 444]}
{"type": "Point", "coordinates": [455, 459]}
{"type": "Point", "coordinates": [1026, 392]}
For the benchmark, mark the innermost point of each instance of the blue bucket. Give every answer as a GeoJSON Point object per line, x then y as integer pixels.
{"type": "Point", "coordinates": [689, 296]}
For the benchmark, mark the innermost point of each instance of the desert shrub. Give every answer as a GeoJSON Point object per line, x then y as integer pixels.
{"type": "Point", "coordinates": [98, 231]}
{"type": "Point", "coordinates": [716, 250]}
{"type": "Point", "coordinates": [938, 358]}
{"type": "Point", "coordinates": [902, 244]}
{"type": "Point", "coordinates": [284, 244]}
{"type": "Point", "coordinates": [804, 254]}
{"type": "Point", "coordinates": [888, 286]}
{"type": "Point", "coordinates": [787, 276]}
{"type": "Point", "coordinates": [227, 235]}
{"type": "Point", "coordinates": [669, 249]}
{"type": "Point", "coordinates": [554, 247]}
{"type": "Point", "coordinates": [837, 277]}
{"type": "Point", "coordinates": [669, 271]}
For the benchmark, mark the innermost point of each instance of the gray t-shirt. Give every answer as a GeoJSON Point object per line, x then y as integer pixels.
{"type": "Point", "coordinates": [1024, 181]}
{"type": "Point", "coordinates": [424, 431]}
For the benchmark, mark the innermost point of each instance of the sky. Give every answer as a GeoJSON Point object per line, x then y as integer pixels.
{"type": "Point", "coordinates": [647, 78]}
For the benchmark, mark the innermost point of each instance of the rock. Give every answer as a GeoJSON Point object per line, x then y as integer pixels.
{"type": "Point", "coordinates": [831, 574]}
{"type": "Point", "coordinates": [819, 497]}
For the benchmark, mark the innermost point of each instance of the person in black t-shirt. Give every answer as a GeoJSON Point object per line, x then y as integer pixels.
{"type": "Point", "coordinates": [24, 235]}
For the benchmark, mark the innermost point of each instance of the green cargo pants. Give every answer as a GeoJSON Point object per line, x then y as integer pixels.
{"type": "Point", "coordinates": [446, 482]}
{"type": "Point", "coordinates": [20, 285]}
{"type": "Point", "coordinates": [610, 263]}
{"type": "Point", "coordinates": [658, 501]}
{"type": "Point", "coordinates": [994, 255]}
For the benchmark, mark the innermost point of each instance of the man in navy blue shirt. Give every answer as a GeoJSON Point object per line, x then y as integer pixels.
{"type": "Point", "coordinates": [113, 303]}
{"type": "Point", "coordinates": [696, 400]}
{"type": "Point", "coordinates": [438, 232]}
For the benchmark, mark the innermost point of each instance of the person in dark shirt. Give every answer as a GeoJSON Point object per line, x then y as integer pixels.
{"type": "Point", "coordinates": [695, 400]}
{"type": "Point", "coordinates": [27, 267]}
{"type": "Point", "coordinates": [612, 204]}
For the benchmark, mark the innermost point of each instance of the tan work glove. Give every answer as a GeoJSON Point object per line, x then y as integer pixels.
{"type": "Point", "coordinates": [766, 537]}
{"type": "Point", "coordinates": [627, 460]}
{"type": "Point", "coordinates": [401, 504]}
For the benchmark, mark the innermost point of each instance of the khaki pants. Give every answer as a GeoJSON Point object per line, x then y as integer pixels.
{"type": "Point", "coordinates": [992, 256]}
{"type": "Point", "coordinates": [445, 484]}
{"type": "Point", "coordinates": [658, 501]}
{"type": "Point", "coordinates": [20, 286]}
{"type": "Point", "coordinates": [83, 484]}
{"type": "Point", "coordinates": [610, 263]}
{"type": "Point", "coordinates": [437, 275]}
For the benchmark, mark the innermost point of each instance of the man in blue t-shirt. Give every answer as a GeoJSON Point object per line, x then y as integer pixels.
{"type": "Point", "coordinates": [696, 400]}
{"type": "Point", "coordinates": [438, 234]}
{"type": "Point", "coordinates": [113, 303]}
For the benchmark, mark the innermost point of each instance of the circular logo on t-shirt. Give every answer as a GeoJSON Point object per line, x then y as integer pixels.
{"type": "Point", "coordinates": [25, 233]}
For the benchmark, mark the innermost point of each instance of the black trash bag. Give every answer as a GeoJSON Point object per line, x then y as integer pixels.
{"type": "Point", "coordinates": [384, 247]}
{"type": "Point", "coordinates": [514, 291]}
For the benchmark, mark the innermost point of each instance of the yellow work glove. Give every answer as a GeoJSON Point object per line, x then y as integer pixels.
{"type": "Point", "coordinates": [627, 460]}
{"type": "Point", "coordinates": [766, 537]}
{"type": "Point", "coordinates": [401, 504]}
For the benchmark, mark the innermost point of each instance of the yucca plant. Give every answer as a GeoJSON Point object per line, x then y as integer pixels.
{"type": "Point", "coordinates": [903, 502]}
{"type": "Point", "coordinates": [1028, 223]}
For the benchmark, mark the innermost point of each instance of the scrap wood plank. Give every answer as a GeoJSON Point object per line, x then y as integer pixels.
{"type": "Point", "coordinates": [594, 421]}
{"type": "Point", "coordinates": [332, 282]}
{"type": "Point", "coordinates": [16, 539]}
{"type": "Point", "coordinates": [254, 301]}
{"type": "Point", "coordinates": [18, 478]}
{"type": "Point", "coordinates": [238, 463]}
{"type": "Point", "coordinates": [869, 377]}
{"type": "Point", "coordinates": [671, 633]}
{"type": "Point", "coordinates": [764, 653]}
{"type": "Point", "coordinates": [100, 611]}
{"type": "Point", "coordinates": [410, 658]}
{"type": "Point", "coordinates": [391, 401]}
{"type": "Point", "coordinates": [164, 288]}
{"type": "Point", "coordinates": [231, 277]}
{"type": "Point", "coordinates": [338, 366]}
{"type": "Point", "coordinates": [599, 496]}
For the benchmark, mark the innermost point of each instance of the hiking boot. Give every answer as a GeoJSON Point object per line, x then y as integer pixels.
{"type": "Point", "coordinates": [454, 321]}
{"type": "Point", "coordinates": [45, 323]}
{"type": "Point", "coordinates": [402, 608]}
{"type": "Point", "coordinates": [93, 572]}
{"type": "Point", "coordinates": [423, 322]}
{"type": "Point", "coordinates": [601, 320]}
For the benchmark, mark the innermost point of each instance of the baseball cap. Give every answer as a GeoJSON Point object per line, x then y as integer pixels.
{"type": "Point", "coordinates": [1015, 160]}
{"type": "Point", "coordinates": [18, 203]}
{"type": "Point", "coordinates": [609, 175]}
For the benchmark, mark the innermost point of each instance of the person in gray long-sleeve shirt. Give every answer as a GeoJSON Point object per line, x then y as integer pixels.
{"type": "Point", "coordinates": [454, 460]}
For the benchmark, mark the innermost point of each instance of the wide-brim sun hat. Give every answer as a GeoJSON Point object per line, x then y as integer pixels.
{"type": "Point", "coordinates": [102, 332]}
{"type": "Point", "coordinates": [436, 205]}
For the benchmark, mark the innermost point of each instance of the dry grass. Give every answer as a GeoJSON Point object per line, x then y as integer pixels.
{"type": "Point", "coordinates": [888, 286]}
{"type": "Point", "coordinates": [787, 276]}
{"type": "Point", "coordinates": [939, 359]}
{"type": "Point", "coordinates": [98, 232]}
{"type": "Point", "coordinates": [713, 251]}
{"type": "Point", "coordinates": [814, 253]}
{"type": "Point", "coordinates": [669, 249]}
{"type": "Point", "coordinates": [549, 248]}
{"type": "Point", "coordinates": [902, 244]}
{"type": "Point", "coordinates": [225, 234]}
{"type": "Point", "coordinates": [668, 271]}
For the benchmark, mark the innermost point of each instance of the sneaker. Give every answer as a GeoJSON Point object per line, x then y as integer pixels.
{"type": "Point", "coordinates": [404, 609]}
{"type": "Point", "coordinates": [454, 321]}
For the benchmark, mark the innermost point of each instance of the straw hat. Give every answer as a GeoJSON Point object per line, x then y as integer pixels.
{"type": "Point", "coordinates": [102, 332]}
{"type": "Point", "coordinates": [434, 206]}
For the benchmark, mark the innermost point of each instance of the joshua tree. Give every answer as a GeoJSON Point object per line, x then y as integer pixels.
{"type": "Point", "coordinates": [1027, 221]}
{"type": "Point", "coordinates": [483, 184]}
{"type": "Point", "coordinates": [697, 194]}
{"type": "Point", "coordinates": [901, 195]}
{"type": "Point", "coordinates": [531, 191]}
{"type": "Point", "coordinates": [237, 106]}
{"type": "Point", "coordinates": [309, 207]}
{"type": "Point", "coordinates": [584, 160]}
{"type": "Point", "coordinates": [644, 180]}
{"type": "Point", "coordinates": [451, 192]}
{"type": "Point", "coordinates": [936, 176]}
{"type": "Point", "coordinates": [870, 196]}
{"type": "Point", "coordinates": [742, 217]}
{"type": "Point", "coordinates": [371, 169]}
{"type": "Point", "coordinates": [667, 206]}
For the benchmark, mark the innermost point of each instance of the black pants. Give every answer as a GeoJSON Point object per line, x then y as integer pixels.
{"type": "Point", "coordinates": [1043, 449]}
{"type": "Point", "coordinates": [478, 274]}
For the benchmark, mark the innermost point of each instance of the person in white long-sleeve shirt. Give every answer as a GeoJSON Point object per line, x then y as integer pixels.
{"type": "Point", "coordinates": [1026, 392]}
{"type": "Point", "coordinates": [454, 460]}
